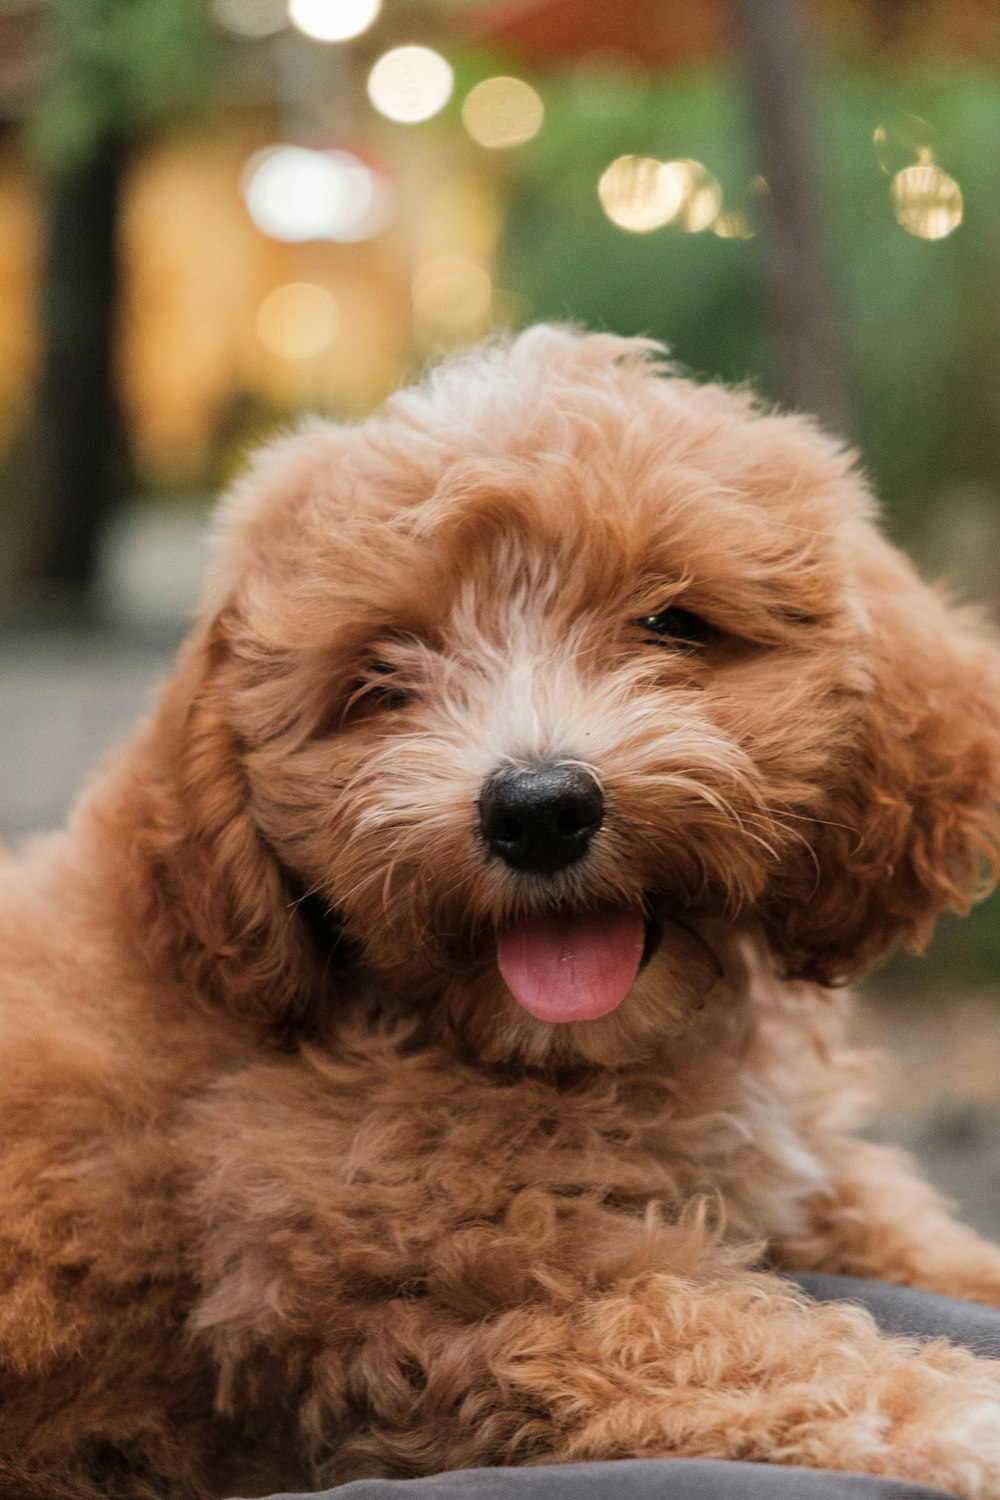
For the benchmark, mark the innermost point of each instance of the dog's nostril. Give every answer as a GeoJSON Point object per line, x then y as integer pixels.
{"type": "Point", "coordinates": [541, 818]}
{"type": "Point", "coordinates": [573, 820]}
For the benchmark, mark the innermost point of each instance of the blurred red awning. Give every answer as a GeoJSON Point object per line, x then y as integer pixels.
{"type": "Point", "coordinates": [653, 30]}
{"type": "Point", "coordinates": [666, 33]}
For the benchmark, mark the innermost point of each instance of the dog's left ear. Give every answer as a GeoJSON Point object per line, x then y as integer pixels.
{"type": "Point", "coordinates": [911, 825]}
{"type": "Point", "coordinates": [215, 910]}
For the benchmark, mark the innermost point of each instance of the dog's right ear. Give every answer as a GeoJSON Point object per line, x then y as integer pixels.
{"type": "Point", "coordinates": [912, 825]}
{"type": "Point", "coordinates": [214, 908]}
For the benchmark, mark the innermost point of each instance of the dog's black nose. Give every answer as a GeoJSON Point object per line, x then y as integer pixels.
{"type": "Point", "coordinates": [541, 819]}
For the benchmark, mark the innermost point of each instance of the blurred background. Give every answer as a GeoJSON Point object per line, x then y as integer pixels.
{"type": "Point", "coordinates": [215, 214]}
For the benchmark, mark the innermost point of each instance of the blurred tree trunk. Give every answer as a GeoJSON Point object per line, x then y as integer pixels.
{"type": "Point", "coordinates": [116, 70]}
{"type": "Point", "coordinates": [77, 423]}
{"type": "Point", "coordinates": [68, 462]}
{"type": "Point", "coordinates": [802, 295]}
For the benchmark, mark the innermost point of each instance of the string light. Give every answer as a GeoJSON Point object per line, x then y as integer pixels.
{"type": "Point", "coordinates": [927, 202]}
{"type": "Point", "coordinates": [296, 194]}
{"type": "Point", "coordinates": [410, 84]}
{"type": "Point", "coordinates": [333, 20]}
{"type": "Point", "coordinates": [900, 142]}
{"type": "Point", "coordinates": [700, 196]}
{"type": "Point", "coordinates": [637, 195]}
{"type": "Point", "coordinates": [502, 112]}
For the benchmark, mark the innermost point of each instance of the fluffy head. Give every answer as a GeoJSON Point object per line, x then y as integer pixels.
{"type": "Point", "coordinates": [463, 584]}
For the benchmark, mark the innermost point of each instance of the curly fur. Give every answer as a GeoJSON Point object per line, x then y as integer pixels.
{"type": "Point", "coordinates": [293, 1191]}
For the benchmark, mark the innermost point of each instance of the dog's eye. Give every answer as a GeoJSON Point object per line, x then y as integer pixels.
{"type": "Point", "coordinates": [675, 627]}
{"type": "Point", "coordinates": [384, 683]}
{"type": "Point", "coordinates": [379, 685]}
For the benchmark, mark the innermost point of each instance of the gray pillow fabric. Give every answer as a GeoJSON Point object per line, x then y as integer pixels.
{"type": "Point", "coordinates": [633, 1479]}
{"type": "Point", "coordinates": [902, 1309]}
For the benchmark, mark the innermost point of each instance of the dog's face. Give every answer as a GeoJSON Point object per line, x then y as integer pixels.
{"type": "Point", "coordinates": [554, 672]}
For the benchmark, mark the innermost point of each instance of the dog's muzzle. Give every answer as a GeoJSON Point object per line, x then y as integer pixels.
{"type": "Point", "coordinates": [540, 819]}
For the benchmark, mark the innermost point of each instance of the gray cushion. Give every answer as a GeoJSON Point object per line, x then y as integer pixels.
{"type": "Point", "coordinates": [634, 1479]}
{"type": "Point", "coordinates": [902, 1309]}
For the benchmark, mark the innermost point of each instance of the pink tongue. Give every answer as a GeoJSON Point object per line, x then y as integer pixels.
{"type": "Point", "coordinates": [572, 967]}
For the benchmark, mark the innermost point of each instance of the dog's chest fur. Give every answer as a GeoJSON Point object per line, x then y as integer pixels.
{"type": "Point", "coordinates": [374, 1178]}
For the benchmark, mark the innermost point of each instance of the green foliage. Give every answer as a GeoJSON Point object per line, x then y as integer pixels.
{"type": "Point", "coordinates": [920, 319]}
{"type": "Point", "coordinates": [570, 261]}
{"type": "Point", "coordinates": [971, 949]}
{"type": "Point", "coordinates": [119, 67]}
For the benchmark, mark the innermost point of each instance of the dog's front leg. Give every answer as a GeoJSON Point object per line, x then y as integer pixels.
{"type": "Point", "coordinates": [876, 1216]}
{"type": "Point", "coordinates": [659, 1365]}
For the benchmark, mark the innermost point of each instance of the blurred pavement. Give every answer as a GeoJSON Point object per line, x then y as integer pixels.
{"type": "Point", "coordinates": [65, 698]}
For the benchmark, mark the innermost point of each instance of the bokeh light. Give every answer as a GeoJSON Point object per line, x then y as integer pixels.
{"type": "Point", "coordinates": [927, 202]}
{"type": "Point", "coordinates": [251, 18]}
{"type": "Point", "coordinates": [452, 296]}
{"type": "Point", "coordinates": [902, 141]}
{"type": "Point", "coordinates": [699, 194]}
{"type": "Point", "coordinates": [747, 221]}
{"type": "Point", "coordinates": [298, 321]}
{"type": "Point", "coordinates": [502, 112]}
{"type": "Point", "coordinates": [296, 194]}
{"type": "Point", "coordinates": [638, 195]}
{"type": "Point", "coordinates": [410, 84]}
{"type": "Point", "coordinates": [733, 224]}
{"type": "Point", "coordinates": [333, 20]}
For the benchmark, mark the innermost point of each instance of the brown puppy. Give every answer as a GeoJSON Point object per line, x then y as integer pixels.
{"type": "Point", "coordinates": [422, 1035]}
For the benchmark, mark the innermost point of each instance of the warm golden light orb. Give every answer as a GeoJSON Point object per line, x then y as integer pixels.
{"type": "Point", "coordinates": [927, 202]}
{"type": "Point", "coordinates": [637, 195]}
{"type": "Point", "coordinates": [698, 192]}
{"type": "Point", "coordinates": [502, 112]}
{"type": "Point", "coordinates": [333, 20]}
{"type": "Point", "coordinates": [294, 193]}
{"type": "Point", "coordinates": [733, 224]}
{"type": "Point", "coordinates": [903, 140]}
{"type": "Point", "coordinates": [298, 321]}
{"type": "Point", "coordinates": [410, 84]}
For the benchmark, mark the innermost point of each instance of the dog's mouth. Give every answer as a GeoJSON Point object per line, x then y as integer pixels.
{"type": "Point", "coordinates": [575, 966]}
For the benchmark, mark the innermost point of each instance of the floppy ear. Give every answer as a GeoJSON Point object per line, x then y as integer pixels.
{"type": "Point", "coordinates": [216, 911]}
{"type": "Point", "coordinates": [912, 824]}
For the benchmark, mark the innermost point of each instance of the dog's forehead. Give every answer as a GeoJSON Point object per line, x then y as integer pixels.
{"type": "Point", "coordinates": [651, 499]}
{"type": "Point", "coordinates": [575, 477]}
{"type": "Point", "coordinates": [555, 545]}
{"type": "Point", "coordinates": [610, 450]}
